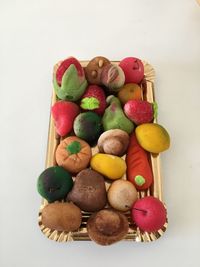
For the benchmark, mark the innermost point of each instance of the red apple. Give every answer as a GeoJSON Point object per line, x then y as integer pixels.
{"type": "Point", "coordinates": [149, 214]}
{"type": "Point", "coordinates": [133, 69]}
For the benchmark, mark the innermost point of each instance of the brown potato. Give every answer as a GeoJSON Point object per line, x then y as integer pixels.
{"type": "Point", "coordinates": [62, 216]}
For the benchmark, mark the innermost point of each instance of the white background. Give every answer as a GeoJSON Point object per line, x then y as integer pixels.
{"type": "Point", "coordinates": [36, 34]}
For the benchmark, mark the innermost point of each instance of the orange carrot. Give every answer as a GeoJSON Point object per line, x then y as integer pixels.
{"type": "Point", "coordinates": [138, 167]}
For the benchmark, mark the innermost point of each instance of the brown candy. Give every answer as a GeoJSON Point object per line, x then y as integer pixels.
{"type": "Point", "coordinates": [94, 68]}
{"type": "Point", "coordinates": [61, 216]}
{"type": "Point", "coordinates": [89, 191]}
{"type": "Point", "coordinates": [107, 227]}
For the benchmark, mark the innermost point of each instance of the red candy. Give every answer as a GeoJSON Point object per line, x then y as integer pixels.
{"type": "Point", "coordinates": [65, 65]}
{"type": "Point", "coordinates": [133, 69]}
{"type": "Point", "coordinates": [64, 113]}
{"type": "Point", "coordinates": [138, 167]}
{"type": "Point", "coordinates": [149, 214]}
{"type": "Point", "coordinates": [139, 111]}
{"type": "Point", "coordinates": [94, 99]}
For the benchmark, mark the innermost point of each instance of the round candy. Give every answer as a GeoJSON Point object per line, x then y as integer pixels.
{"type": "Point", "coordinates": [130, 91]}
{"type": "Point", "coordinates": [87, 126]}
{"type": "Point", "coordinates": [94, 68]}
{"type": "Point", "coordinates": [107, 227]}
{"type": "Point", "coordinates": [54, 183]}
{"type": "Point", "coordinates": [113, 77]}
{"type": "Point", "coordinates": [122, 194]}
{"type": "Point", "coordinates": [73, 154]}
{"type": "Point", "coordinates": [133, 69]}
{"type": "Point", "coordinates": [149, 214]}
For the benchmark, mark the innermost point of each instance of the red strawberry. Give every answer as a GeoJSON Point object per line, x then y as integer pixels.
{"type": "Point", "coordinates": [65, 65]}
{"type": "Point", "coordinates": [94, 99]}
{"type": "Point", "coordinates": [64, 113]}
{"type": "Point", "coordinates": [139, 111]}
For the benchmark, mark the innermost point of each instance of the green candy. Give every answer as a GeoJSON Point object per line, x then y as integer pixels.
{"type": "Point", "coordinates": [54, 183]}
{"type": "Point", "coordinates": [88, 127]}
{"type": "Point", "coordinates": [71, 88]}
{"type": "Point", "coordinates": [114, 117]}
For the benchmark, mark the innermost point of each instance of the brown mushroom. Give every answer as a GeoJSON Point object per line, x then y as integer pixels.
{"type": "Point", "coordinates": [113, 142]}
{"type": "Point", "coordinates": [107, 227]}
{"type": "Point", "coordinates": [89, 191]}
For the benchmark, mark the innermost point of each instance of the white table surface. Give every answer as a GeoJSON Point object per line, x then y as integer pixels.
{"type": "Point", "coordinates": [36, 34]}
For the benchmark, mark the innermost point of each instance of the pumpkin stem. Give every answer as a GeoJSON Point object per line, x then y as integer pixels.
{"type": "Point", "coordinates": [74, 147]}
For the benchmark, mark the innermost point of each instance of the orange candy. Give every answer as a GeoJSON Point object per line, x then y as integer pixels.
{"type": "Point", "coordinates": [130, 91]}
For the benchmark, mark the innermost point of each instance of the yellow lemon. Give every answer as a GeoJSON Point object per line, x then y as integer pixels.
{"type": "Point", "coordinates": [112, 167]}
{"type": "Point", "coordinates": [153, 137]}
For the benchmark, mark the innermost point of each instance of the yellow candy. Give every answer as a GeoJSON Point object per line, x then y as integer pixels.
{"type": "Point", "coordinates": [152, 137]}
{"type": "Point", "coordinates": [112, 167]}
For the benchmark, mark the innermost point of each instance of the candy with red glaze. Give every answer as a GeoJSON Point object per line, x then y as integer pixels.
{"type": "Point", "coordinates": [94, 99]}
{"type": "Point", "coordinates": [149, 214]}
{"type": "Point", "coordinates": [64, 113]}
{"type": "Point", "coordinates": [69, 80]}
{"type": "Point", "coordinates": [139, 111]}
{"type": "Point", "coordinates": [133, 69]}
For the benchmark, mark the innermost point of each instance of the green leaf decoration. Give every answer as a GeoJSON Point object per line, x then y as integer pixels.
{"type": "Point", "coordinates": [90, 103]}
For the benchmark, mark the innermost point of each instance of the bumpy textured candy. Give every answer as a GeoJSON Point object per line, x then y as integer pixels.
{"type": "Point", "coordinates": [94, 99]}
{"type": "Point", "coordinates": [54, 183]}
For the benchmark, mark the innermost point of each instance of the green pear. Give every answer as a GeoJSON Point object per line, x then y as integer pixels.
{"type": "Point", "coordinates": [114, 117]}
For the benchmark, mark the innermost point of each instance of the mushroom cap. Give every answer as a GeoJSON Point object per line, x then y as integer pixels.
{"type": "Point", "coordinates": [113, 142]}
{"type": "Point", "coordinates": [107, 227]}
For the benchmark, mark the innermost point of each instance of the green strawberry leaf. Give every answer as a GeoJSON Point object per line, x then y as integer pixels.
{"type": "Point", "coordinates": [90, 103]}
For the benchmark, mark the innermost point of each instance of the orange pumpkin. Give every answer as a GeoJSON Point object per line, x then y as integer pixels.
{"type": "Point", "coordinates": [73, 154]}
